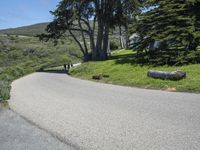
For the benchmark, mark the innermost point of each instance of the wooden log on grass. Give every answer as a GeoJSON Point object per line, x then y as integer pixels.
{"type": "Point", "coordinates": [167, 75]}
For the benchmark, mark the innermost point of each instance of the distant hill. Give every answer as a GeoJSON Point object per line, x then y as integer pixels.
{"type": "Point", "coordinates": [31, 30]}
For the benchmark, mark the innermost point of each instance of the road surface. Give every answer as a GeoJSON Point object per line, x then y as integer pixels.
{"type": "Point", "coordinates": [94, 116]}
{"type": "Point", "coordinates": [18, 134]}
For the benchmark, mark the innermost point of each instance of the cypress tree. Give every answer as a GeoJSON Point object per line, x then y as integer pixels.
{"type": "Point", "coordinates": [175, 24]}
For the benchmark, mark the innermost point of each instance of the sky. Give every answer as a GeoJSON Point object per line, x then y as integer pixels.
{"type": "Point", "coordinates": [17, 13]}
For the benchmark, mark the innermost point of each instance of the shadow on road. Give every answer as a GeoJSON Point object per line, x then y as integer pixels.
{"type": "Point", "coordinates": [54, 71]}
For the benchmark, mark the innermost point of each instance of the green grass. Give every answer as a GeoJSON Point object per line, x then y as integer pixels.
{"type": "Point", "coordinates": [23, 55]}
{"type": "Point", "coordinates": [124, 71]}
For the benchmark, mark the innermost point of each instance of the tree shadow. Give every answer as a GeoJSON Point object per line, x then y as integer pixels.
{"type": "Point", "coordinates": [54, 71]}
{"type": "Point", "coordinates": [125, 59]}
{"type": "Point", "coordinates": [132, 59]}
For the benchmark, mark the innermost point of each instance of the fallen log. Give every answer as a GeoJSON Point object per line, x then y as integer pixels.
{"type": "Point", "coordinates": [167, 75]}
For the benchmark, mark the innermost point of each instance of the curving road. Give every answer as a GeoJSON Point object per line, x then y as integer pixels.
{"type": "Point", "coordinates": [95, 116]}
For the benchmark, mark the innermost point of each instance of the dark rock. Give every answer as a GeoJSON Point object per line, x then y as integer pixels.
{"type": "Point", "coordinates": [97, 77]}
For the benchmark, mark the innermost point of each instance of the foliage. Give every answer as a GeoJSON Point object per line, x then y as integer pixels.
{"type": "Point", "coordinates": [23, 55]}
{"type": "Point", "coordinates": [124, 71]}
{"type": "Point", "coordinates": [175, 24]}
{"type": "Point", "coordinates": [4, 90]}
{"type": "Point", "coordinates": [114, 45]}
{"type": "Point", "coordinates": [76, 16]}
{"type": "Point", "coordinates": [176, 57]}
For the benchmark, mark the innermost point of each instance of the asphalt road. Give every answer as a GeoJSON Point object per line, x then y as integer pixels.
{"type": "Point", "coordinates": [94, 116]}
{"type": "Point", "coordinates": [18, 134]}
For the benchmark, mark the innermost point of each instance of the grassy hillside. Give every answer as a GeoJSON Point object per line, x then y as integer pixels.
{"type": "Point", "coordinates": [23, 55]}
{"type": "Point", "coordinates": [31, 30]}
{"type": "Point", "coordinates": [123, 71]}
{"type": "Point", "coordinates": [36, 29]}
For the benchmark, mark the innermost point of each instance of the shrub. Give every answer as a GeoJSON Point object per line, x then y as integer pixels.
{"type": "Point", "coordinates": [4, 90]}
{"type": "Point", "coordinates": [113, 45]}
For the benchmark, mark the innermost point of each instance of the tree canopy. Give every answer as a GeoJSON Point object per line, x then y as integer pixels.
{"type": "Point", "coordinates": [174, 24]}
{"type": "Point", "coordinates": [92, 19]}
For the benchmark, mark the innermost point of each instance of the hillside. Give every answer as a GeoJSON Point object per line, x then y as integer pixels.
{"type": "Point", "coordinates": [35, 29]}
{"type": "Point", "coordinates": [31, 30]}
{"type": "Point", "coordinates": [21, 55]}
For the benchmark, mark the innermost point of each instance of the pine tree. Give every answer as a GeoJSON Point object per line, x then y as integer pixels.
{"type": "Point", "coordinates": [175, 24]}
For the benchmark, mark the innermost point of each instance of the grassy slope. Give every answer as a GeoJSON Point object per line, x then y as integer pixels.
{"type": "Point", "coordinates": [22, 55]}
{"type": "Point", "coordinates": [123, 71]}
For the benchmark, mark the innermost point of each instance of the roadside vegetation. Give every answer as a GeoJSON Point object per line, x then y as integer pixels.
{"type": "Point", "coordinates": [123, 70]}
{"type": "Point", "coordinates": [23, 55]}
{"type": "Point", "coordinates": [159, 33]}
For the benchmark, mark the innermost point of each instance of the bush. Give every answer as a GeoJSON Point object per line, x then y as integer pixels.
{"type": "Point", "coordinates": [113, 45]}
{"type": "Point", "coordinates": [12, 73]}
{"type": "Point", "coordinates": [7, 75]}
{"type": "Point", "coordinates": [4, 90]}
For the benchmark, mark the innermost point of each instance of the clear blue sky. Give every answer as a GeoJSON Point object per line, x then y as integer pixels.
{"type": "Point", "coordinates": [16, 13]}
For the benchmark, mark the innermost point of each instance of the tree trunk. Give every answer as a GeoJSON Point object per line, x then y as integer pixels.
{"type": "Point", "coordinates": [95, 52]}
{"type": "Point", "coordinates": [92, 39]}
{"type": "Point", "coordinates": [165, 75]}
{"type": "Point", "coordinates": [91, 31]}
{"type": "Point", "coordinates": [121, 38]}
{"type": "Point", "coordinates": [85, 54]}
{"type": "Point", "coordinates": [126, 37]}
{"type": "Point", "coordinates": [103, 14]}
{"type": "Point", "coordinates": [83, 37]}
{"type": "Point", "coordinates": [104, 52]}
{"type": "Point", "coordinates": [92, 45]}
{"type": "Point", "coordinates": [98, 49]}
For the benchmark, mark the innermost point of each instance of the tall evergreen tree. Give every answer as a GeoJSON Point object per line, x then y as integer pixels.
{"type": "Point", "coordinates": [175, 24]}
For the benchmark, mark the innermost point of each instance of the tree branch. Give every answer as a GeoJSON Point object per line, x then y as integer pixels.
{"type": "Point", "coordinates": [77, 41]}
{"type": "Point", "coordinates": [83, 36]}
